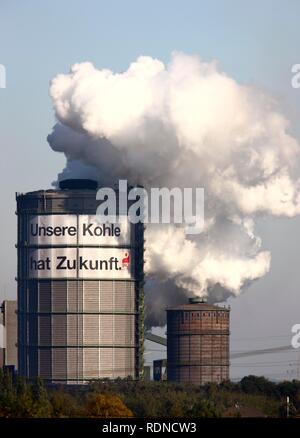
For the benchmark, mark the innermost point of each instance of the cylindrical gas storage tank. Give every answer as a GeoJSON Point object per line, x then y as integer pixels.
{"type": "Point", "coordinates": [198, 343]}
{"type": "Point", "coordinates": [80, 288]}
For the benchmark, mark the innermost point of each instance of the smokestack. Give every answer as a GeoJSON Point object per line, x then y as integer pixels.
{"type": "Point", "coordinates": [197, 300]}
{"type": "Point", "coordinates": [198, 343]}
{"type": "Point", "coordinates": [80, 288]}
{"type": "Point", "coordinates": [78, 184]}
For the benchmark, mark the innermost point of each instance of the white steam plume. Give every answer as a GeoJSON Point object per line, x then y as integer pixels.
{"type": "Point", "coordinates": [186, 124]}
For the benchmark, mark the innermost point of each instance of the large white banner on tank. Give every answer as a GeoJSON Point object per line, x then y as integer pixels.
{"type": "Point", "coordinates": [93, 263]}
{"type": "Point", "coordinates": [95, 230]}
{"type": "Point", "coordinates": [71, 229]}
{"type": "Point", "coordinates": [53, 229]}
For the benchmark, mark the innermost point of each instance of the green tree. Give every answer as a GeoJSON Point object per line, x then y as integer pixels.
{"type": "Point", "coordinates": [63, 404]}
{"type": "Point", "coordinates": [204, 408]}
{"type": "Point", "coordinates": [41, 404]}
{"type": "Point", "coordinates": [258, 384]}
{"type": "Point", "coordinates": [7, 394]}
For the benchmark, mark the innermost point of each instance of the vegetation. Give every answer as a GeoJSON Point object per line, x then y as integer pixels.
{"type": "Point", "coordinates": [106, 406]}
{"type": "Point", "coordinates": [126, 398]}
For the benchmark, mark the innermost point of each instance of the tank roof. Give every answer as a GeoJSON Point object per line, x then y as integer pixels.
{"type": "Point", "coordinates": [197, 306]}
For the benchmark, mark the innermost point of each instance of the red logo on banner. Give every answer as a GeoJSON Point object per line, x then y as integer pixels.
{"type": "Point", "coordinates": [125, 260]}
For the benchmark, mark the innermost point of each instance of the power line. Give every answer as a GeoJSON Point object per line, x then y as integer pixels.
{"type": "Point", "coordinates": [260, 337]}
{"type": "Point", "coordinates": [257, 366]}
{"type": "Point", "coordinates": [283, 348]}
{"type": "Point", "coordinates": [269, 362]}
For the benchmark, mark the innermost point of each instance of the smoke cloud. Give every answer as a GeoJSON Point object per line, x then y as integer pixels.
{"type": "Point", "coordinates": [185, 124]}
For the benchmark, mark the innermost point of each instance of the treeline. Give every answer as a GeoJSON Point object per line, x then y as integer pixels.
{"type": "Point", "coordinates": [252, 396]}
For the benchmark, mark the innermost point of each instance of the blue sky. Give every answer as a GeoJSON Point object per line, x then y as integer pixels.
{"type": "Point", "coordinates": [255, 42]}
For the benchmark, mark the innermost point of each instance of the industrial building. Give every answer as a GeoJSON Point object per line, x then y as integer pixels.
{"type": "Point", "coordinates": [198, 343]}
{"type": "Point", "coordinates": [8, 347]}
{"type": "Point", "coordinates": [80, 288]}
{"type": "Point", "coordinates": [160, 369]}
